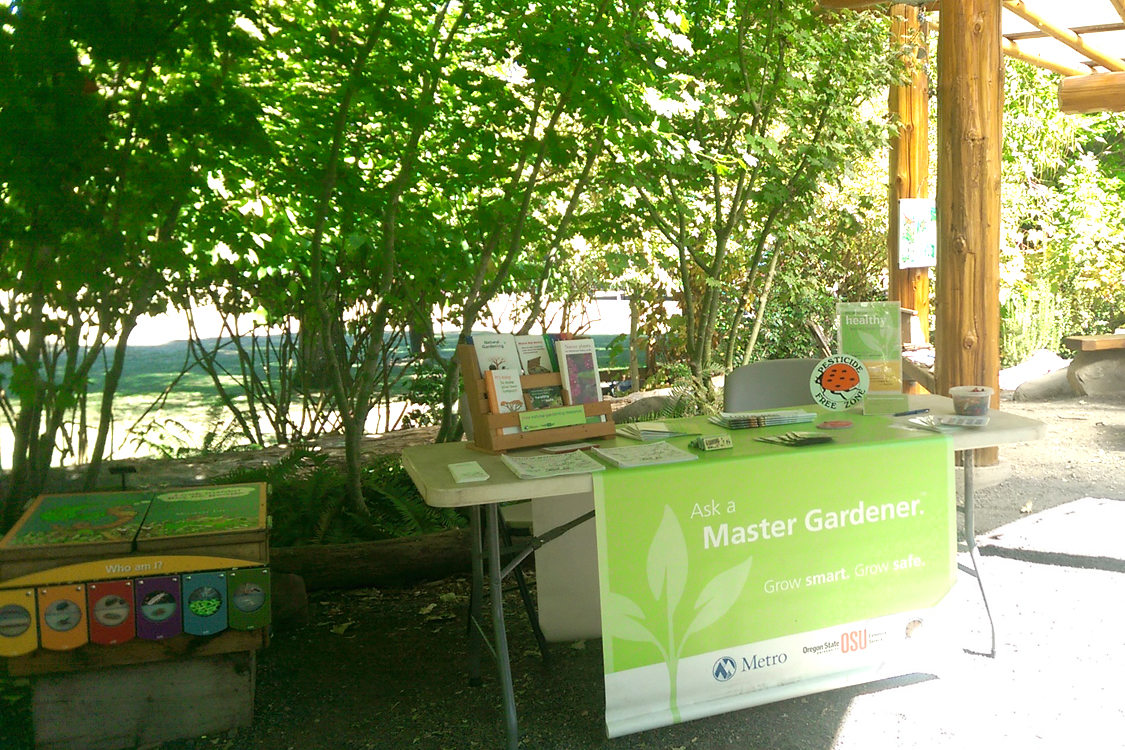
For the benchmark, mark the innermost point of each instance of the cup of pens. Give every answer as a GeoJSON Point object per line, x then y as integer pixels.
{"type": "Point", "coordinates": [971, 400]}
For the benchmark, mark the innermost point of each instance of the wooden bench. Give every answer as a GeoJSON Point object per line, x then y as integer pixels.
{"type": "Point", "coordinates": [1095, 343]}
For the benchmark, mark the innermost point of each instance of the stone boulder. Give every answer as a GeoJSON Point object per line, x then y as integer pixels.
{"type": "Point", "coordinates": [1097, 373]}
{"type": "Point", "coordinates": [1052, 385]}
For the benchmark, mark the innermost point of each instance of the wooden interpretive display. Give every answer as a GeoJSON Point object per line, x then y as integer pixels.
{"type": "Point", "coordinates": [125, 595]}
{"type": "Point", "coordinates": [109, 568]}
{"type": "Point", "coordinates": [492, 432]}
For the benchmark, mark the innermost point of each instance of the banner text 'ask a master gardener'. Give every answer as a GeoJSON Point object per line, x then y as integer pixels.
{"type": "Point", "coordinates": [816, 520]}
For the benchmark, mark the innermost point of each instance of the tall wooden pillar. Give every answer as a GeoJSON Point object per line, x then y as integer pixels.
{"type": "Point", "coordinates": [909, 161]}
{"type": "Point", "coordinates": [970, 112]}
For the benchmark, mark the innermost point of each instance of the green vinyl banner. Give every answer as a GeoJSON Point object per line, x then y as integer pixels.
{"type": "Point", "coordinates": [768, 571]}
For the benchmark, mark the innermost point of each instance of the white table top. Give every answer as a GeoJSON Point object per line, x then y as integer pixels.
{"type": "Point", "coordinates": [427, 464]}
{"type": "Point", "coordinates": [1002, 428]}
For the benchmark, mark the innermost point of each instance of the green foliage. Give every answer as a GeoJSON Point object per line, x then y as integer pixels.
{"type": "Point", "coordinates": [1029, 322]}
{"type": "Point", "coordinates": [1063, 245]}
{"type": "Point", "coordinates": [424, 395]}
{"type": "Point", "coordinates": [170, 438]}
{"type": "Point", "coordinates": [686, 398]}
{"type": "Point", "coordinates": [306, 483]}
{"type": "Point", "coordinates": [736, 129]}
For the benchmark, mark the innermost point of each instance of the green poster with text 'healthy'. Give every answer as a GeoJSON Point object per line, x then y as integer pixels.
{"type": "Point", "coordinates": [872, 333]}
{"type": "Point", "coordinates": [724, 577]}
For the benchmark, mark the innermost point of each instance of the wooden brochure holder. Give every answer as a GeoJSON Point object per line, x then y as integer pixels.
{"type": "Point", "coordinates": [488, 432]}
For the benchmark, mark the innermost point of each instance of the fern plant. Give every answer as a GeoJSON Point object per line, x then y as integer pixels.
{"type": "Point", "coordinates": [307, 491]}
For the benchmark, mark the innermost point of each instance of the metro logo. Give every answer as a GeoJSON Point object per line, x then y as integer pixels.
{"type": "Point", "coordinates": [853, 640]}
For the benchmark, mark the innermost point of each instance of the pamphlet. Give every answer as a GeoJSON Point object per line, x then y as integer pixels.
{"type": "Point", "coordinates": [578, 364]}
{"type": "Point", "coordinates": [871, 332]}
{"type": "Point", "coordinates": [468, 471]}
{"type": "Point", "coordinates": [649, 454]}
{"type": "Point", "coordinates": [505, 394]}
{"type": "Point", "coordinates": [540, 466]}
{"type": "Point", "coordinates": [496, 351]}
{"type": "Point", "coordinates": [650, 431]}
{"type": "Point", "coordinates": [543, 396]}
{"type": "Point", "coordinates": [743, 420]}
{"type": "Point", "coordinates": [795, 439]}
{"type": "Point", "coordinates": [534, 358]}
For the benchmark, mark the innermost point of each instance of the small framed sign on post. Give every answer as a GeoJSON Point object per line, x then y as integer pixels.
{"type": "Point", "coordinates": [917, 232]}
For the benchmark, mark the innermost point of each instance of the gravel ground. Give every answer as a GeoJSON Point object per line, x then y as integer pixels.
{"type": "Point", "coordinates": [386, 669]}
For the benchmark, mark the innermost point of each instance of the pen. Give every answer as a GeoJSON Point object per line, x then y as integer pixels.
{"type": "Point", "coordinates": [908, 413]}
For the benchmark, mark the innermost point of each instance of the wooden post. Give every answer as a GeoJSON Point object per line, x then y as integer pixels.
{"type": "Point", "coordinates": [970, 113]}
{"type": "Point", "coordinates": [909, 162]}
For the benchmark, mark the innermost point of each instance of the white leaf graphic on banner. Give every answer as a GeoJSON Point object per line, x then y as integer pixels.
{"type": "Point", "coordinates": [668, 560]}
{"type": "Point", "coordinates": [717, 597]}
{"type": "Point", "coordinates": [624, 619]}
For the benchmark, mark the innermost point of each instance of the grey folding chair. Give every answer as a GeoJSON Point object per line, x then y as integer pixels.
{"type": "Point", "coordinates": [768, 384]}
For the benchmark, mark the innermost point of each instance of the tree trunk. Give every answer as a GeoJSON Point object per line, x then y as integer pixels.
{"type": "Point", "coordinates": [105, 413]}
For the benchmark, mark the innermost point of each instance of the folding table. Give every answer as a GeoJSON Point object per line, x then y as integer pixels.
{"type": "Point", "coordinates": [427, 466]}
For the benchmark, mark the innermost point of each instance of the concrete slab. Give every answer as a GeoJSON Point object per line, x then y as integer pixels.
{"type": "Point", "coordinates": [1089, 527]}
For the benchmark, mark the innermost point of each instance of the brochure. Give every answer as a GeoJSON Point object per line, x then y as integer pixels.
{"type": "Point", "coordinates": [534, 358]}
{"type": "Point", "coordinates": [650, 454]}
{"type": "Point", "coordinates": [795, 439]}
{"type": "Point", "coordinates": [649, 431]}
{"type": "Point", "coordinates": [871, 332]}
{"type": "Point", "coordinates": [539, 466]}
{"type": "Point", "coordinates": [467, 471]}
{"type": "Point", "coordinates": [743, 420]}
{"type": "Point", "coordinates": [496, 351]}
{"type": "Point", "coordinates": [578, 364]}
{"type": "Point", "coordinates": [543, 396]}
{"type": "Point", "coordinates": [505, 394]}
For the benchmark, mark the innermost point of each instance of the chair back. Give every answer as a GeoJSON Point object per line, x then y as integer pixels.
{"type": "Point", "coordinates": [768, 384]}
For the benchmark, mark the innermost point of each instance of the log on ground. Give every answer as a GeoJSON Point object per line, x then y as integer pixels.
{"type": "Point", "coordinates": [388, 563]}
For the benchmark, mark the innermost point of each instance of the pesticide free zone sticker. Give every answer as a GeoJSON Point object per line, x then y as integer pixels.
{"type": "Point", "coordinates": [838, 382]}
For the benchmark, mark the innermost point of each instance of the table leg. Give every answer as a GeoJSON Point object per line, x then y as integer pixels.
{"type": "Point", "coordinates": [476, 637]}
{"type": "Point", "coordinates": [499, 629]}
{"type": "Point", "coordinates": [971, 538]}
{"type": "Point", "coordinates": [525, 594]}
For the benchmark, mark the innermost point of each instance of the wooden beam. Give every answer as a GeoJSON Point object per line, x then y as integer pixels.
{"type": "Point", "coordinates": [1100, 92]}
{"type": "Point", "coordinates": [970, 113]}
{"type": "Point", "coordinates": [909, 162]}
{"type": "Point", "coordinates": [1119, 6]}
{"type": "Point", "coordinates": [1011, 49]}
{"type": "Point", "coordinates": [848, 4]}
{"type": "Point", "coordinates": [1100, 28]}
{"type": "Point", "coordinates": [1065, 35]}
{"type": "Point", "coordinates": [857, 4]}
